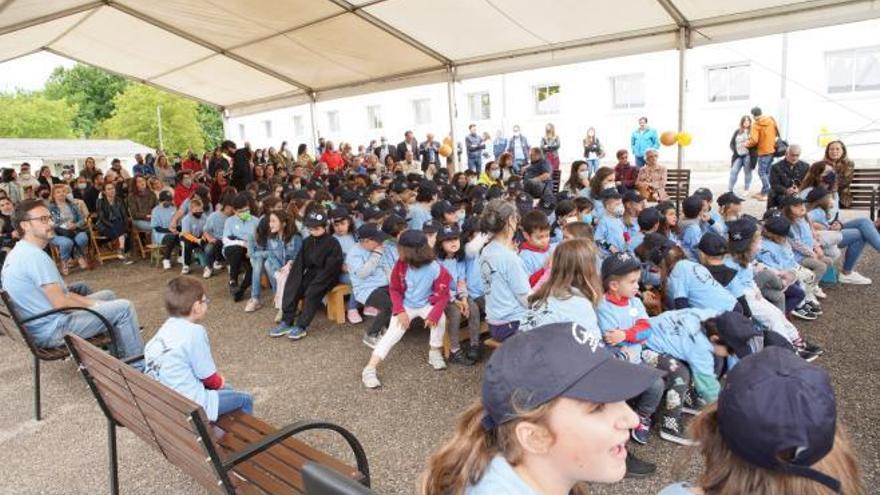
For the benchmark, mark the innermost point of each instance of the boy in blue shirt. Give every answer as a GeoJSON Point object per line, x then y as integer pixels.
{"type": "Point", "coordinates": [715, 221]}
{"type": "Point", "coordinates": [623, 321]}
{"type": "Point", "coordinates": [694, 225]}
{"type": "Point", "coordinates": [610, 232]}
{"type": "Point", "coordinates": [163, 233]}
{"type": "Point", "coordinates": [179, 355]}
{"type": "Point", "coordinates": [369, 284]}
{"type": "Point", "coordinates": [633, 205]}
{"type": "Point", "coordinates": [213, 234]}
{"type": "Point", "coordinates": [535, 250]}
{"type": "Point", "coordinates": [776, 253]}
{"type": "Point", "coordinates": [192, 232]}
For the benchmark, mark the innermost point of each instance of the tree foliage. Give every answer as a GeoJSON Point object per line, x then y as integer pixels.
{"type": "Point", "coordinates": [211, 122]}
{"type": "Point", "coordinates": [32, 115]}
{"type": "Point", "coordinates": [134, 117]}
{"type": "Point", "coordinates": [90, 89]}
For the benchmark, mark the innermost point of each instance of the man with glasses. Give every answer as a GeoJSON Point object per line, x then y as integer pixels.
{"type": "Point", "coordinates": [35, 286]}
{"type": "Point", "coordinates": [786, 175]}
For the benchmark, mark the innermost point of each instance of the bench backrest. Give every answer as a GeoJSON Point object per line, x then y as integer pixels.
{"type": "Point", "coordinates": [678, 183]}
{"type": "Point", "coordinates": [170, 423]}
{"type": "Point", "coordinates": [864, 186]}
{"type": "Point", "coordinates": [11, 323]}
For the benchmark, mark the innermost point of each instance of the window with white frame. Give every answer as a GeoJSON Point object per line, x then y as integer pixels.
{"type": "Point", "coordinates": [299, 127]}
{"type": "Point", "coordinates": [546, 99]}
{"type": "Point", "coordinates": [374, 117]}
{"type": "Point", "coordinates": [268, 125]}
{"type": "Point", "coordinates": [856, 69]}
{"type": "Point", "coordinates": [479, 106]}
{"type": "Point", "coordinates": [333, 120]}
{"type": "Point", "coordinates": [628, 91]}
{"type": "Point", "coordinates": [241, 132]}
{"type": "Point", "coordinates": [422, 111]}
{"type": "Point", "coordinates": [728, 82]}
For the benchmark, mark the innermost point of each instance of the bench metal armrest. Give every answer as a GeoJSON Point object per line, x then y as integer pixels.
{"type": "Point", "coordinates": [104, 321]}
{"type": "Point", "coordinates": [300, 426]}
{"type": "Point", "coordinates": [132, 359]}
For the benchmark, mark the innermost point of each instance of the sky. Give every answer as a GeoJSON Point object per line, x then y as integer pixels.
{"type": "Point", "coordinates": [30, 72]}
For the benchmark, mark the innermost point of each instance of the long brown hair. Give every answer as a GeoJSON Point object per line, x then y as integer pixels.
{"type": "Point", "coordinates": [598, 178]}
{"type": "Point", "coordinates": [574, 267]}
{"type": "Point", "coordinates": [463, 459]}
{"type": "Point", "coordinates": [726, 474]}
{"type": "Point", "coordinates": [813, 177]}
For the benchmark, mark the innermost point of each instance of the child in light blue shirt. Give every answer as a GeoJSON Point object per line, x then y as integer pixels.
{"type": "Point", "coordinates": [694, 225]}
{"type": "Point", "coordinates": [451, 255]}
{"type": "Point", "coordinates": [160, 221]}
{"type": "Point", "coordinates": [536, 249]}
{"type": "Point", "coordinates": [610, 232]}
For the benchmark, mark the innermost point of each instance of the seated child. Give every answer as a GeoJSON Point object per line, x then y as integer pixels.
{"type": "Point", "coordinates": [343, 231]}
{"type": "Point", "coordinates": [776, 253]}
{"type": "Point", "coordinates": [179, 355]}
{"type": "Point", "coordinates": [803, 240]}
{"type": "Point", "coordinates": [716, 220]}
{"type": "Point", "coordinates": [275, 244]}
{"type": "Point", "coordinates": [369, 285]}
{"type": "Point", "coordinates": [192, 232]}
{"type": "Point", "coordinates": [730, 209]}
{"type": "Point", "coordinates": [633, 205]}
{"type": "Point", "coordinates": [610, 231]}
{"type": "Point", "coordinates": [694, 225]}
{"type": "Point", "coordinates": [451, 255]}
{"type": "Point", "coordinates": [535, 250]}
{"type": "Point", "coordinates": [163, 234]}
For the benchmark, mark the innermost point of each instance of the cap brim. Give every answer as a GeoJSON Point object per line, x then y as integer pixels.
{"type": "Point", "coordinates": [613, 381]}
{"type": "Point", "coordinates": [380, 237]}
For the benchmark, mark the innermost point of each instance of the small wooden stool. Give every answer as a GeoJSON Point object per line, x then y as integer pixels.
{"type": "Point", "coordinates": [336, 303]}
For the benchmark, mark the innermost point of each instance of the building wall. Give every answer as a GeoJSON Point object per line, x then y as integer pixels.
{"type": "Point", "coordinates": [586, 99]}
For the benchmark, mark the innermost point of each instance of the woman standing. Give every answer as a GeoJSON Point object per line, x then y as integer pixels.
{"type": "Point", "coordinates": [70, 233]}
{"type": "Point", "coordinates": [744, 158]}
{"type": "Point", "coordinates": [836, 157]}
{"type": "Point", "coordinates": [90, 170]}
{"type": "Point", "coordinates": [165, 172]}
{"type": "Point", "coordinates": [550, 146]}
{"type": "Point", "coordinates": [487, 155]}
{"type": "Point", "coordinates": [593, 150]}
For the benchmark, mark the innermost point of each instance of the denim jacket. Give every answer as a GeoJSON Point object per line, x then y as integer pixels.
{"type": "Point", "coordinates": [55, 211]}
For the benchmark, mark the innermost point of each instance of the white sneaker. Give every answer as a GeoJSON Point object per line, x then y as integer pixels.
{"type": "Point", "coordinates": [166, 264]}
{"type": "Point", "coordinates": [369, 378]}
{"type": "Point", "coordinates": [207, 273]}
{"type": "Point", "coordinates": [218, 265]}
{"type": "Point", "coordinates": [184, 269]}
{"type": "Point", "coordinates": [279, 315]}
{"type": "Point", "coordinates": [353, 316]}
{"type": "Point", "coordinates": [435, 359]}
{"type": "Point", "coordinates": [854, 278]}
{"type": "Point", "coordinates": [252, 305]}
{"type": "Point", "coordinates": [819, 293]}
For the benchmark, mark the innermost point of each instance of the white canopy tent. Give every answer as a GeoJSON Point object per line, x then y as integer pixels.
{"type": "Point", "coordinates": [248, 56]}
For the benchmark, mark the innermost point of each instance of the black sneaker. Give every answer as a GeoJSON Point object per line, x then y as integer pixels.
{"type": "Point", "coordinates": [459, 357]}
{"type": "Point", "coordinates": [637, 468]}
{"type": "Point", "coordinates": [672, 430]}
{"type": "Point", "coordinates": [815, 349]}
{"type": "Point", "coordinates": [692, 404]}
{"type": "Point", "coordinates": [233, 289]}
{"type": "Point", "coordinates": [807, 355]}
{"type": "Point", "coordinates": [475, 352]}
{"type": "Point", "coordinates": [814, 307]}
{"type": "Point", "coordinates": [804, 313]}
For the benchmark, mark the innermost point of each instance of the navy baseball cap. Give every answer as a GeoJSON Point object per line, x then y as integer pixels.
{"type": "Point", "coordinates": [790, 200]}
{"type": "Point", "coordinates": [713, 244]}
{"type": "Point", "coordinates": [372, 211]}
{"type": "Point", "coordinates": [372, 232]}
{"type": "Point", "coordinates": [619, 264]}
{"type": "Point", "coordinates": [729, 198]}
{"type": "Point", "coordinates": [339, 213]}
{"type": "Point", "coordinates": [657, 245]}
{"type": "Point", "coordinates": [431, 227]}
{"type": "Point", "coordinates": [447, 232]}
{"type": "Point", "coordinates": [778, 224]}
{"type": "Point", "coordinates": [165, 196]}
{"type": "Point", "coordinates": [440, 208]}
{"type": "Point", "coordinates": [315, 219]}
{"type": "Point", "coordinates": [740, 233]}
{"type": "Point", "coordinates": [692, 206]}
{"type": "Point", "coordinates": [609, 193]}
{"type": "Point", "coordinates": [736, 330]}
{"type": "Point", "coordinates": [632, 196]}
{"type": "Point", "coordinates": [556, 360]}
{"type": "Point", "coordinates": [816, 194]}
{"type": "Point", "coordinates": [413, 239]}
{"type": "Point", "coordinates": [392, 221]}
{"type": "Point", "coordinates": [649, 218]}
{"type": "Point", "coordinates": [704, 193]}
{"type": "Point", "coordinates": [778, 412]}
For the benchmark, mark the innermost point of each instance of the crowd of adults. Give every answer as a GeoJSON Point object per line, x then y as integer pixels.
{"type": "Point", "coordinates": [614, 316]}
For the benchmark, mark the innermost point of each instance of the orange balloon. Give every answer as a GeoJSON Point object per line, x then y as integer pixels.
{"type": "Point", "coordinates": [668, 138]}
{"type": "Point", "coordinates": [447, 140]}
{"type": "Point", "coordinates": [445, 150]}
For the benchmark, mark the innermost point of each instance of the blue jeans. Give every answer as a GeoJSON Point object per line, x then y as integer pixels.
{"type": "Point", "coordinates": [517, 164]}
{"type": "Point", "coordinates": [475, 164]}
{"type": "Point", "coordinates": [764, 163]}
{"type": "Point", "coordinates": [229, 400]}
{"type": "Point", "coordinates": [592, 166]}
{"type": "Point", "coordinates": [66, 244]}
{"type": "Point", "coordinates": [640, 161]}
{"type": "Point", "coordinates": [741, 163]}
{"type": "Point", "coordinates": [143, 225]}
{"type": "Point", "coordinates": [120, 313]}
{"type": "Point", "coordinates": [260, 263]}
{"type": "Point", "coordinates": [856, 233]}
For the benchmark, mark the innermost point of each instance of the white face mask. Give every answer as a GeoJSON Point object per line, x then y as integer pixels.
{"type": "Point", "coordinates": [495, 174]}
{"type": "Point", "coordinates": [618, 211]}
{"type": "Point", "coordinates": [583, 174]}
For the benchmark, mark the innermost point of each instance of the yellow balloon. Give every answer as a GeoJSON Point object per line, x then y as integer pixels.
{"type": "Point", "coordinates": [445, 150]}
{"type": "Point", "coordinates": [447, 141]}
{"type": "Point", "coordinates": [684, 139]}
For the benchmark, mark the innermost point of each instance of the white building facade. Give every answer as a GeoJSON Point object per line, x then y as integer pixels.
{"type": "Point", "coordinates": [818, 84]}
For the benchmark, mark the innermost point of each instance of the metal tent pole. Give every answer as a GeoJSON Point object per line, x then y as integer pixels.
{"type": "Point", "coordinates": [450, 95]}
{"type": "Point", "coordinates": [314, 123]}
{"type": "Point", "coordinates": [682, 59]}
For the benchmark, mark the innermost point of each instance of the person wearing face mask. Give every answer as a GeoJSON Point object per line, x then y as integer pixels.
{"type": "Point", "coordinates": [86, 192]}
{"type": "Point", "coordinates": [184, 188]}
{"type": "Point", "coordinates": [578, 178]}
{"type": "Point", "coordinates": [491, 175]}
{"type": "Point", "coordinates": [26, 178]}
{"type": "Point", "coordinates": [651, 181]}
{"type": "Point", "coordinates": [192, 232]}
{"type": "Point", "coordinates": [610, 234]}
{"type": "Point", "coordinates": [164, 232]}
{"type": "Point", "coordinates": [518, 147]}
{"type": "Point", "coordinates": [238, 230]}
{"type": "Point", "coordinates": [603, 179]}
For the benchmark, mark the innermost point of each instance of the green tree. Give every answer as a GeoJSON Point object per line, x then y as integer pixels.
{"type": "Point", "coordinates": [32, 115]}
{"type": "Point", "coordinates": [92, 91]}
{"type": "Point", "coordinates": [134, 117]}
{"type": "Point", "coordinates": [211, 122]}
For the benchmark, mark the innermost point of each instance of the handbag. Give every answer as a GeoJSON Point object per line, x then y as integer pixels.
{"type": "Point", "coordinates": [781, 144]}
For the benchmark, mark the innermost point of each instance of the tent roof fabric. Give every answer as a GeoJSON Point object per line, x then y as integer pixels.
{"type": "Point", "coordinates": [255, 55]}
{"type": "Point", "coordinates": [30, 149]}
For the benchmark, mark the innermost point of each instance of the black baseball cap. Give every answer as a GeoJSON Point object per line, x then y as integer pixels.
{"type": "Point", "coordinates": [735, 330]}
{"type": "Point", "coordinates": [446, 232]}
{"type": "Point", "coordinates": [556, 360]}
{"type": "Point", "coordinates": [399, 186]}
{"type": "Point", "coordinates": [740, 233]}
{"type": "Point", "coordinates": [413, 239]}
{"type": "Point", "coordinates": [339, 213]}
{"type": "Point", "coordinates": [610, 193]}
{"type": "Point", "coordinates": [648, 218]}
{"type": "Point", "coordinates": [431, 227]}
{"type": "Point", "coordinates": [790, 200]}
{"type": "Point", "coordinates": [372, 211]}
{"type": "Point", "coordinates": [632, 196]}
{"type": "Point", "coordinates": [816, 194]}
{"type": "Point", "coordinates": [713, 244]}
{"type": "Point", "coordinates": [657, 246]}
{"type": "Point", "coordinates": [372, 232]}
{"type": "Point", "coordinates": [777, 224]}
{"type": "Point", "coordinates": [440, 208]}
{"type": "Point", "coordinates": [778, 412]}
{"type": "Point", "coordinates": [315, 219]}
{"type": "Point", "coordinates": [348, 196]}
{"type": "Point", "coordinates": [729, 198]}
{"type": "Point", "coordinates": [619, 264]}
{"type": "Point", "coordinates": [165, 196]}
{"type": "Point", "coordinates": [692, 206]}
{"type": "Point", "coordinates": [704, 193]}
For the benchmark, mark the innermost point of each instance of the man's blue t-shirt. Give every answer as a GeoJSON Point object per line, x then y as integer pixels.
{"type": "Point", "coordinates": [26, 270]}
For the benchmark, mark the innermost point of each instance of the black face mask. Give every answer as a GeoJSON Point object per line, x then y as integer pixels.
{"type": "Point", "coordinates": [197, 215]}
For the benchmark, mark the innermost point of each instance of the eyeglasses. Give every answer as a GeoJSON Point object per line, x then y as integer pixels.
{"type": "Point", "coordinates": [42, 219]}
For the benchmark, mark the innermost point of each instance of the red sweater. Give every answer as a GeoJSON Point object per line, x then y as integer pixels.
{"type": "Point", "coordinates": [439, 297]}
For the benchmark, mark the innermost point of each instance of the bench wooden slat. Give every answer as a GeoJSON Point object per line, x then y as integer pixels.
{"type": "Point", "coordinates": [269, 462]}
{"type": "Point", "coordinates": [265, 481]}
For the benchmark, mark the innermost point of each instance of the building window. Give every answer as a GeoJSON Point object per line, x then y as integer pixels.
{"type": "Point", "coordinates": [299, 128]}
{"type": "Point", "coordinates": [422, 111]}
{"type": "Point", "coordinates": [333, 120]}
{"type": "Point", "coordinates": [727, 82]}
{"type": "Point", "coordinates": [268, 125]}
{"type": "Point", "coordinates": [241, 131]}
{"type": "Point", "coordinates": [374, 117]}
{"type": "Point", "coordinates": [857, 69]}
{"type": "Point", "coordinates": [546, 99]}
{"type": "Point", "coordinates": [479, 106]}
{"type": "Point", "coordinates": [628, 91]}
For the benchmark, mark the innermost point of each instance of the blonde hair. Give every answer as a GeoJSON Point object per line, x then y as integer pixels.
{"type": "Point", "coordinates": [574, 267]}
{"type": "Point", "coordinates": [462, 460]}
{"type": "Point", "coordinates": [724, 473]}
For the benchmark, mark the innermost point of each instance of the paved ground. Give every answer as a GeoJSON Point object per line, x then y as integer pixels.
{"type": "Point", "coordinates": [319, 377]}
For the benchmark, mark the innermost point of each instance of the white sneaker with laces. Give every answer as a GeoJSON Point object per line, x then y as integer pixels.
{"type": "Point", "coordinates": [820, 293]}
{"type": "Point", "coordinates": [166, 264]}
{"type": "Point", "coordinates": [369, 378]}
{"type": "Point", "coordinates": [184, 269]}
{"type": "Point", "coordinates": [854, 278]}
{"type": "Point", "coordinates": [252, 305]}
{"type": "Point", "coordinates": [207, 272]}
{"type": "Point", "coordinates": [218, 265]}
{"type": "Point", "coordinates": [435, 359]}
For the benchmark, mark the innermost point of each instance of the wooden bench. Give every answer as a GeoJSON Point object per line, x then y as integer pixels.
{"type": "Point", "coordinates": [864, 186]}
{"type": "Point", "coordinates": [14, 326]}
{"type": "Point", "coordinates": [336, 303]}
{"type": "Point", "coordinates": [463, 336]}
{"type": "Point", "coordinates": [250, 456]}
{"type": "Point", "coordinates": [557, 179]}
{"type": "Point", "coordinates": [678, 185]}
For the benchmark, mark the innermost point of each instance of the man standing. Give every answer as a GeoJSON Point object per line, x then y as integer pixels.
{"type": "Point", "coordinates": [643, 139]}
{"type": "Point", "coordinates": [409, 143]}
{"type": "Point", "coordinates": [475, 147]}
{"type": "Point", "coordinates": [430, 152]}
{"type": "Point", "coordinates": [35, 286]}
{"type": "Point", "coordinates": [384, 149]}
{"type": "Point", "coordinates": [499, 145]}
{"type": "Point", "coordinates": [518, 146]}
{"type": "Point", "coordinates": [140, 168]}
{"type": "Point", "coordinates": [786, 175]}
{"type": "Point", "coordinates": [763, 136]}
{"type": "Point", "coordinates": [116, 166]}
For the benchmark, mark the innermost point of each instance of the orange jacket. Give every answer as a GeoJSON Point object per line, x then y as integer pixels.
{"type": "Point", "coordinates": [763, 135]}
